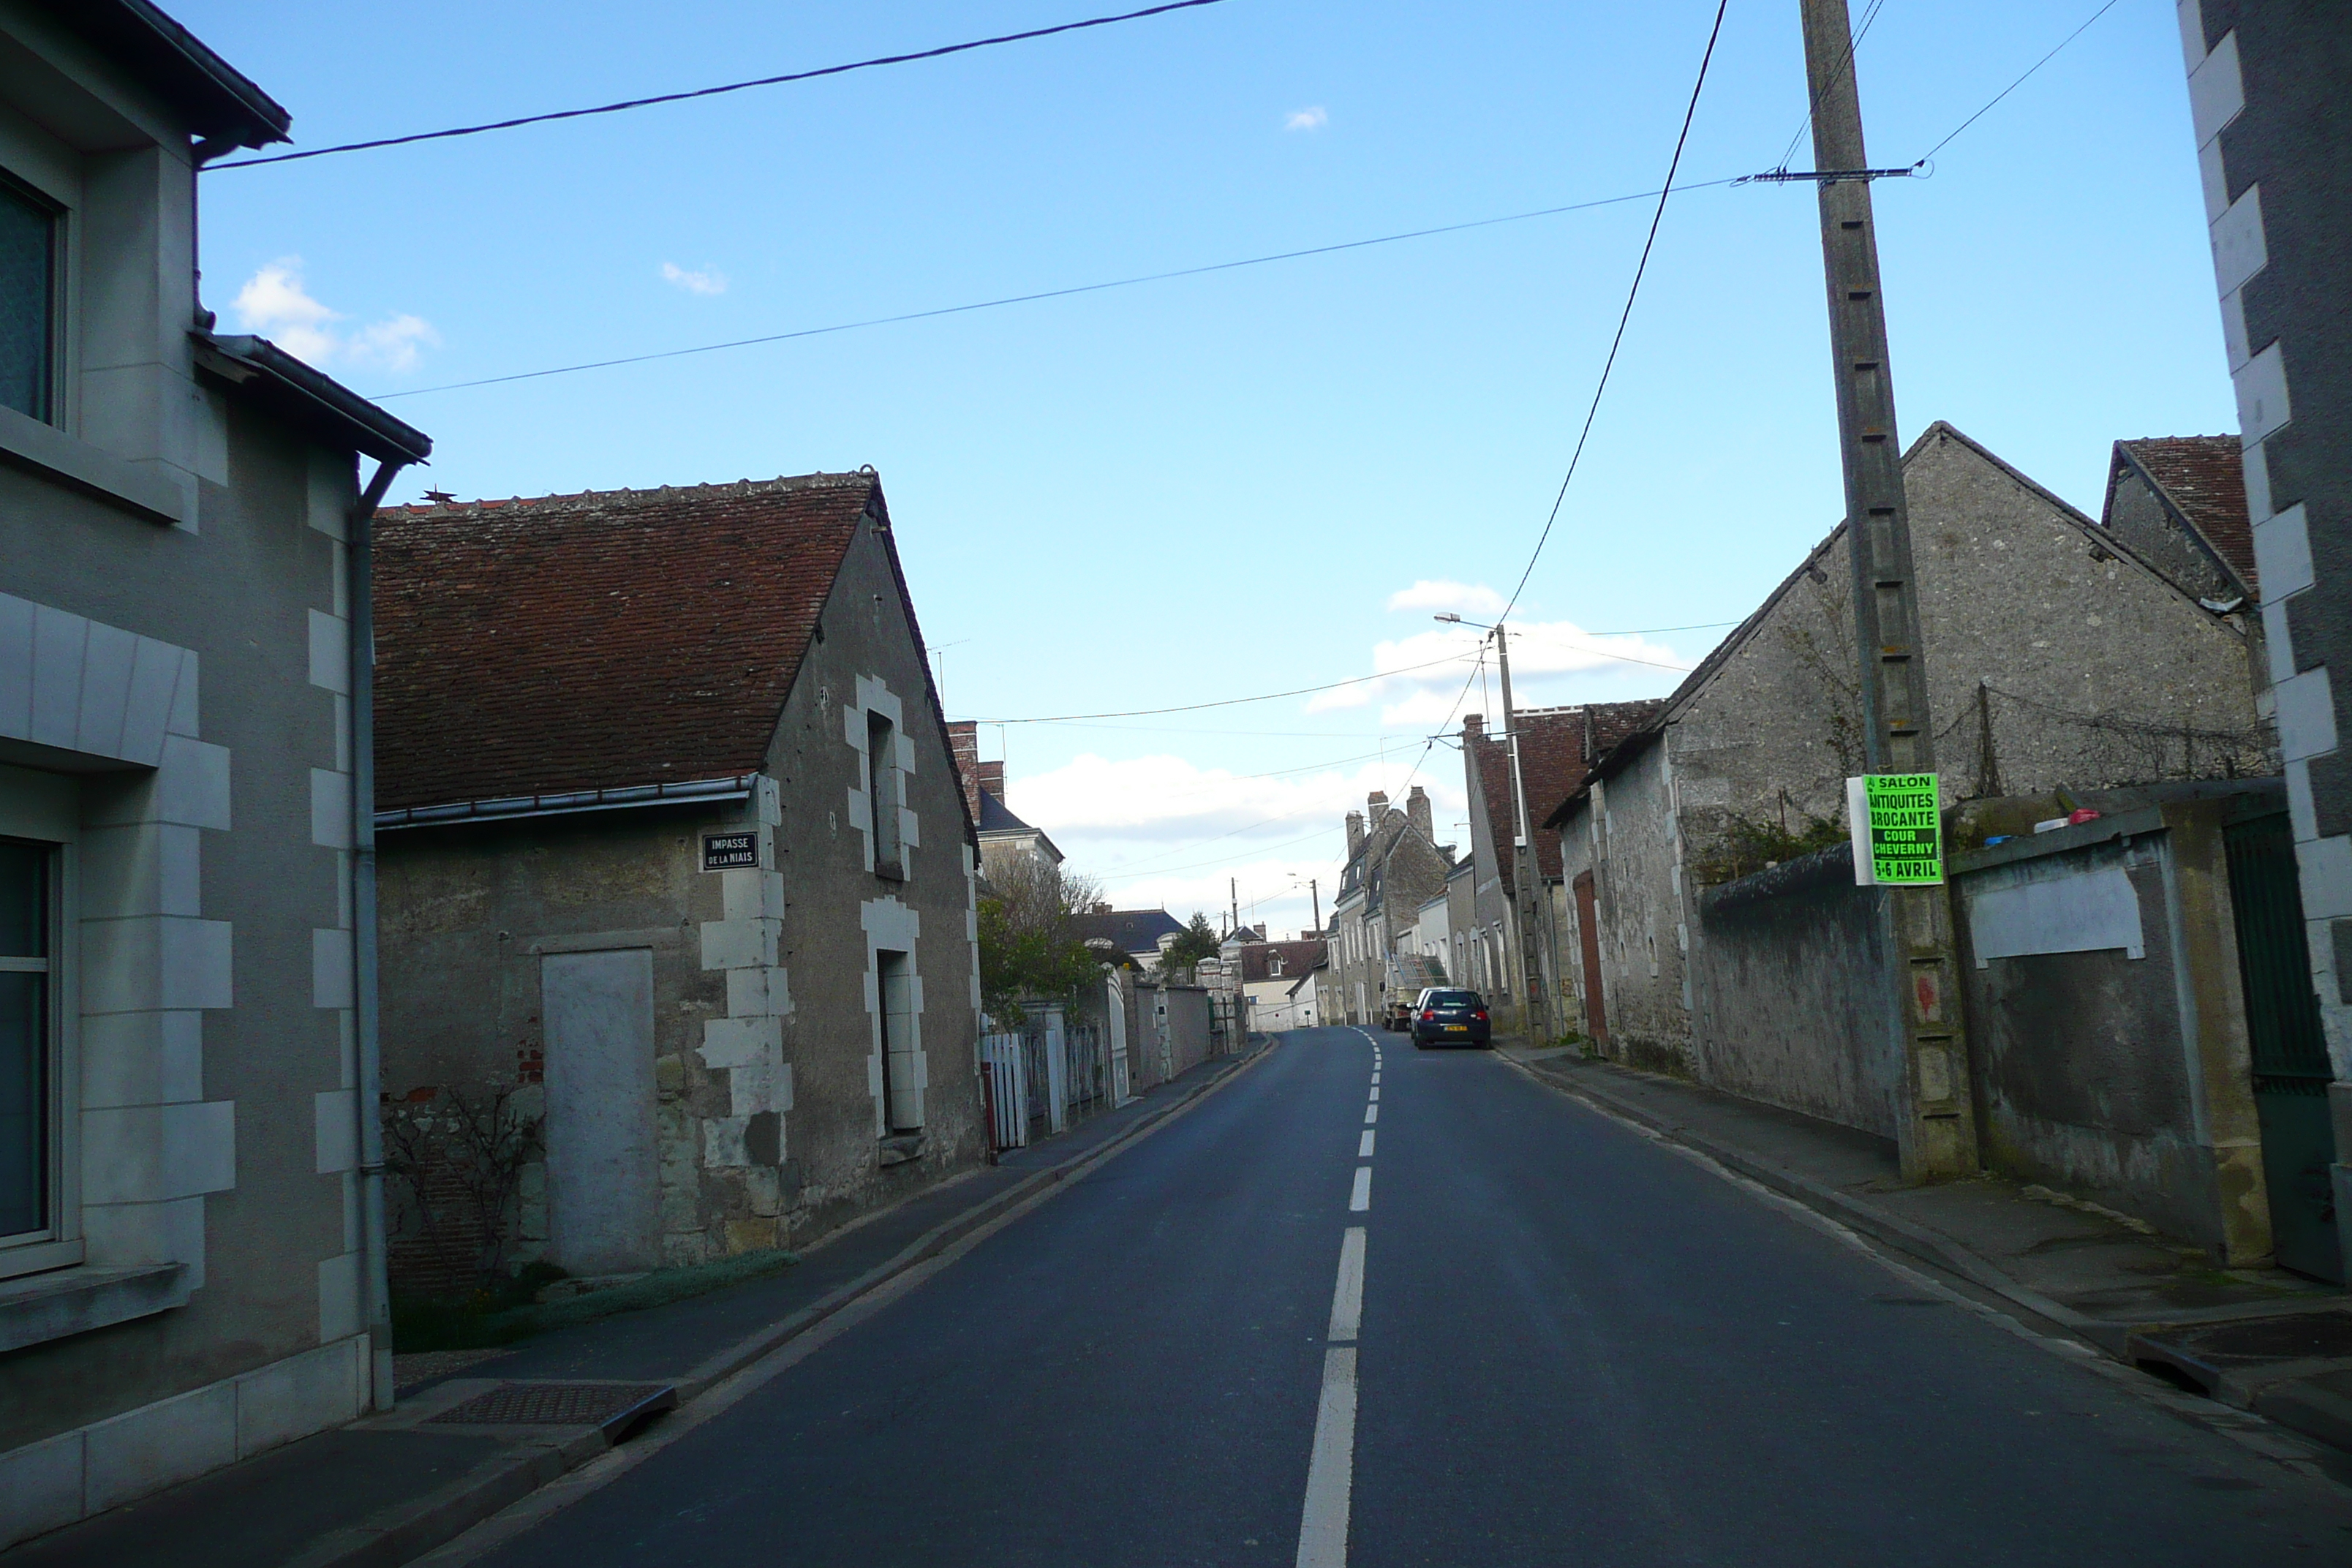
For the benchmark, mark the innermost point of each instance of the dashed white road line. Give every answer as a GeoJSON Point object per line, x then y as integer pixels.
{"type": "Point", "coordinates": [1376, 1094]}
{"type": "Point", "coordinates": [1347, 1296]}
{"type": "Point", "coordinates": [1332, 1470]}
{"type": "Point", "coordinates": [1372, 1114]}
{"type": "Point", "coordinates": [1364, 1149]}
{"type": "Point", "coordinates": [1360, 1199]}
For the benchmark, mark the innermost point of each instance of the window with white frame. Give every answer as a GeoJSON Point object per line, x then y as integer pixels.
{"type": "Point", "coordinates": [885, 793]}
{"type": "Point", "coordinates": [28, 1030]}
{"type": "Point", "coordinates": [29, 293]}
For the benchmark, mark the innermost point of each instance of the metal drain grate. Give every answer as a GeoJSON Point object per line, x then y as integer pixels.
{"type": "Point", "coordinates": [560, 1404]}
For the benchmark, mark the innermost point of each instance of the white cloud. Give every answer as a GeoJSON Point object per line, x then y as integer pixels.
{"type": "Point", "coordinates": [391, 344]}
{"type": "Point", "coordinates": [1421, 676]}
{"type": "Point", "coordinates": [276, 303]}
{"type": "Point", "coordinates": [1444, 594]}
{"type": "Point", "coordinates": [707, 280]}
{"type": "Point", "coordinates": [1313, 119]}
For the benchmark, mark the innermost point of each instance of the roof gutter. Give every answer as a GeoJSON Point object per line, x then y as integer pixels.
{"type": "Point", "coordinates": [509, 808]}
{"type": "Point", "coordinates": [308, 399]}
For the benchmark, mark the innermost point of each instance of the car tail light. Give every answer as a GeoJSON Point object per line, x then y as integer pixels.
{"type": "Point", "coordinates": [1480, 1014]}
{"type": "Point", "coordinates": [1427, 1015]}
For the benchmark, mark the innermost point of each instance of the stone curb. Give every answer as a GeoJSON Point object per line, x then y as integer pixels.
{"type": "Point", "coordinates": [409, 1530]}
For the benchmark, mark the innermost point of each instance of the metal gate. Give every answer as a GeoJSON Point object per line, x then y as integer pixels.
{"type": "Point", "coordinates": [1008, 1088]}
{"type": "Point", "coordinates": [2290, 1053]}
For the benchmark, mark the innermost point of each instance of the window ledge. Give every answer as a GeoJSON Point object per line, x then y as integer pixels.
{"type": "Point", "coordinates": [26, 443]}
{"type": "Point", "coordinates": [41, 1307]}
{"type": "Point", "coordinates": [902, 1147]}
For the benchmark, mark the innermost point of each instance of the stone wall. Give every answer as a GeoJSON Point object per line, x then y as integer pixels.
{"type": "Point", "coordinates": [1792, 996]}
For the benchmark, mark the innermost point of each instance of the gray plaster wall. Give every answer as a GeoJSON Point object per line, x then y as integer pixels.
{"type": "Point", "coordinates": [199, 1132]}
{"type": "Point", "coordinates": [2086, 1062]}
{"type": "Point", "coordinates": [1631, 844]}
{"type": "Point", "coordinates": [1792, 1003]}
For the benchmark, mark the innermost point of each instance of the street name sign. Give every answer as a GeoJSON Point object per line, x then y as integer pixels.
{"type": "Point", "coordinates": [1897, 826]}
{"type": "Point", "coordinates": [731, 851]}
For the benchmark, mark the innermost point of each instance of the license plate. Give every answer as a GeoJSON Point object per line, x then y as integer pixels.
{"type": "Point", "coordinates": [1457, 1028]}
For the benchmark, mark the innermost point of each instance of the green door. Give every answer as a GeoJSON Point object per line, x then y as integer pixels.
{"type": "Point", "coordinates": [2290, 1070]}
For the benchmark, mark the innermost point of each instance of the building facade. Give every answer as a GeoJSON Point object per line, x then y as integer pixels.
{"type": "Point", "coordinates": [2265, 86]}
{"type": "Point", "coordinates": [676, 868]}
{"type": "Point", "coordinates": [190, 1251]}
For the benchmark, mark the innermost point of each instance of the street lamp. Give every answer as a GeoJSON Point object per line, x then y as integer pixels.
{"type": "Point", "coordinates": [1531, 968]}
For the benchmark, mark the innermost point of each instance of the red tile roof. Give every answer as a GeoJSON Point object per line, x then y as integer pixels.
{"type": "Point", "coordinates": [2205, 477]}
{"type": "Point", "coordinates": [599, 640]}
{"type": "Point", "coordinates": [1558, 746]}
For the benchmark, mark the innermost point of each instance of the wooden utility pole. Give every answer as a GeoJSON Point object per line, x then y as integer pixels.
{"type": "Point", "coordinates": [1314, 899]}
{"type": "Point", "coordinates": [1935, 1130]}
{"type": "Point", "coordinates": [1523, 866]}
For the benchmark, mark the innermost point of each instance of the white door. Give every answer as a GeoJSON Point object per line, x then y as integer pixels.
{"type": "Point", "coordinates": [603, 1194]}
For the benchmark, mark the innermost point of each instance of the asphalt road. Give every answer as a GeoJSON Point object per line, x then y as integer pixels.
{"type": "Point", "coordinates": [1575, 1346]}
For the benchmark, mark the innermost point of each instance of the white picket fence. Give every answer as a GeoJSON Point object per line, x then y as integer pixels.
{"type": "Point", "coordinates": [1048, 1074]}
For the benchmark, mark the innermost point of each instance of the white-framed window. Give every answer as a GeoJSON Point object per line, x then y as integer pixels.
{"type": "Point", "coordinates": [40, 1218]}
{"type": "Point", "coordinates": [886, 793]}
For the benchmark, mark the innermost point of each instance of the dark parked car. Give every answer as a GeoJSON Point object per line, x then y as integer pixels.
{"type": "Point", "coordinates": [1451, 1018]}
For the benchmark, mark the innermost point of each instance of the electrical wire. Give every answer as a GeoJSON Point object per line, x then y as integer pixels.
{"type": "Point", "coordinates": [1625, 316]}
{"type": "Point", "coordinates": [1813, 105]}
{"type": "Point", "coordinates": [940, 52]}
{"type": "Point", "coordinates": [1041, 294]}
{"type": "Point", "coordinates": [2012, 87]}
{"type": "Point", "coordinates": [1229, 702]}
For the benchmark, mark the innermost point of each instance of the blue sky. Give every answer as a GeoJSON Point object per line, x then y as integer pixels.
{"type": "Point", "coordinates": [1228, 484]}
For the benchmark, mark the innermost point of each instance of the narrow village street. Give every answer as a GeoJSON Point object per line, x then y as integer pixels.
{"type": "Point", "coordinates": [1576, 1345]}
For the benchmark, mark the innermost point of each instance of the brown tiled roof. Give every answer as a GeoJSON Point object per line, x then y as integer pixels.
{"type": "Point", "coordinates": [1558, 746]}
{"type": "Point", "coordinates": [1298, 958]}
{"type": "Point", "coordinates": [2205, 478]}
{"type": "Point", "coordinates": [600, 640]}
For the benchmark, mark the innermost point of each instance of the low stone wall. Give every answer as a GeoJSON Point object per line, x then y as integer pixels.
{"type": "Point", "coordinates": [1788, 985]}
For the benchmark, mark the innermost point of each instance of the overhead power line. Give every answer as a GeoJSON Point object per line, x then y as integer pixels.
{"type": "Point", "coordinates": [1041, 294]}
{"type": "Point", "coordinates": [1229, 702]}
{"type": "Point", "coordinates": [938, 53]}
{"type": "Point", "coordinates": [2012, 87]}
{"type": "Point", "coordinates": [1626, 315]}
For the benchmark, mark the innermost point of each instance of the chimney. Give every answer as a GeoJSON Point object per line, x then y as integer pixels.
{"type": "Point", "coordinates": [1376, 806]}
{"type": "Point", "coordinates": [1355, 833]}
{"type": "Point", "coordinates": [1473, 726]}
{"type": "Point", "coordinates": [1101, 908]}
{"type": "Point", "coordinates": [963, 738]}
{"type": "Point", "coordinates": [1416, 811]}
{"type": "Point", "coordinates": [992, 779]}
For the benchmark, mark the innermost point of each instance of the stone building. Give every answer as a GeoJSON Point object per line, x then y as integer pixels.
{"type": "Point", "coordinates": [1001, 834]}
{"type": "Point", "coordinates": [190, 1254]}
{"type": "Point", "coordinates": [1555, 746]}
{"type": "Point", "coordinates": [1394, 866]}
{"type": "Point", "coordinates": [2057, 656]}
{"type": "Point", "coordinates": [676, 858]}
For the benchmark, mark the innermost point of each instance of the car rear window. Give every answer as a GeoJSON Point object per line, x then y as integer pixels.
{"type": "Point", "coordinates": [1455, 999]}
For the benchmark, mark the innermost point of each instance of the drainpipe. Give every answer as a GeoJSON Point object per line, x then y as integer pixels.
{"type": "Point", "coordinates": [375, 1288]}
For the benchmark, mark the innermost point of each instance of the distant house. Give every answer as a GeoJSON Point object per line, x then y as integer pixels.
{"type": "Point", "coordinates": [1270, 972]}
{"type": "Point", "coordinates": [1556, 745]}
{"type": "Point", "coordinates": [1394, 866]}
{"type": "Point", "coordinates": [1141, 935]}
{"type": "Point", "coordinates": [1001, 834]}
{"type": "Point", "coordinates": [675, 853]}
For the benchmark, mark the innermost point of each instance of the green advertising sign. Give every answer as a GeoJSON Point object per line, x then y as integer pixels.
{"type": "Point", "coordinates": [1902, 816]}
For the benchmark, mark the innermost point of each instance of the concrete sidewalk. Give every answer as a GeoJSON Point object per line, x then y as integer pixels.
{"type": "Point", "coordinates": [464, 1443]}
{"type": "Point", "coordinates": [2261, 1339]}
